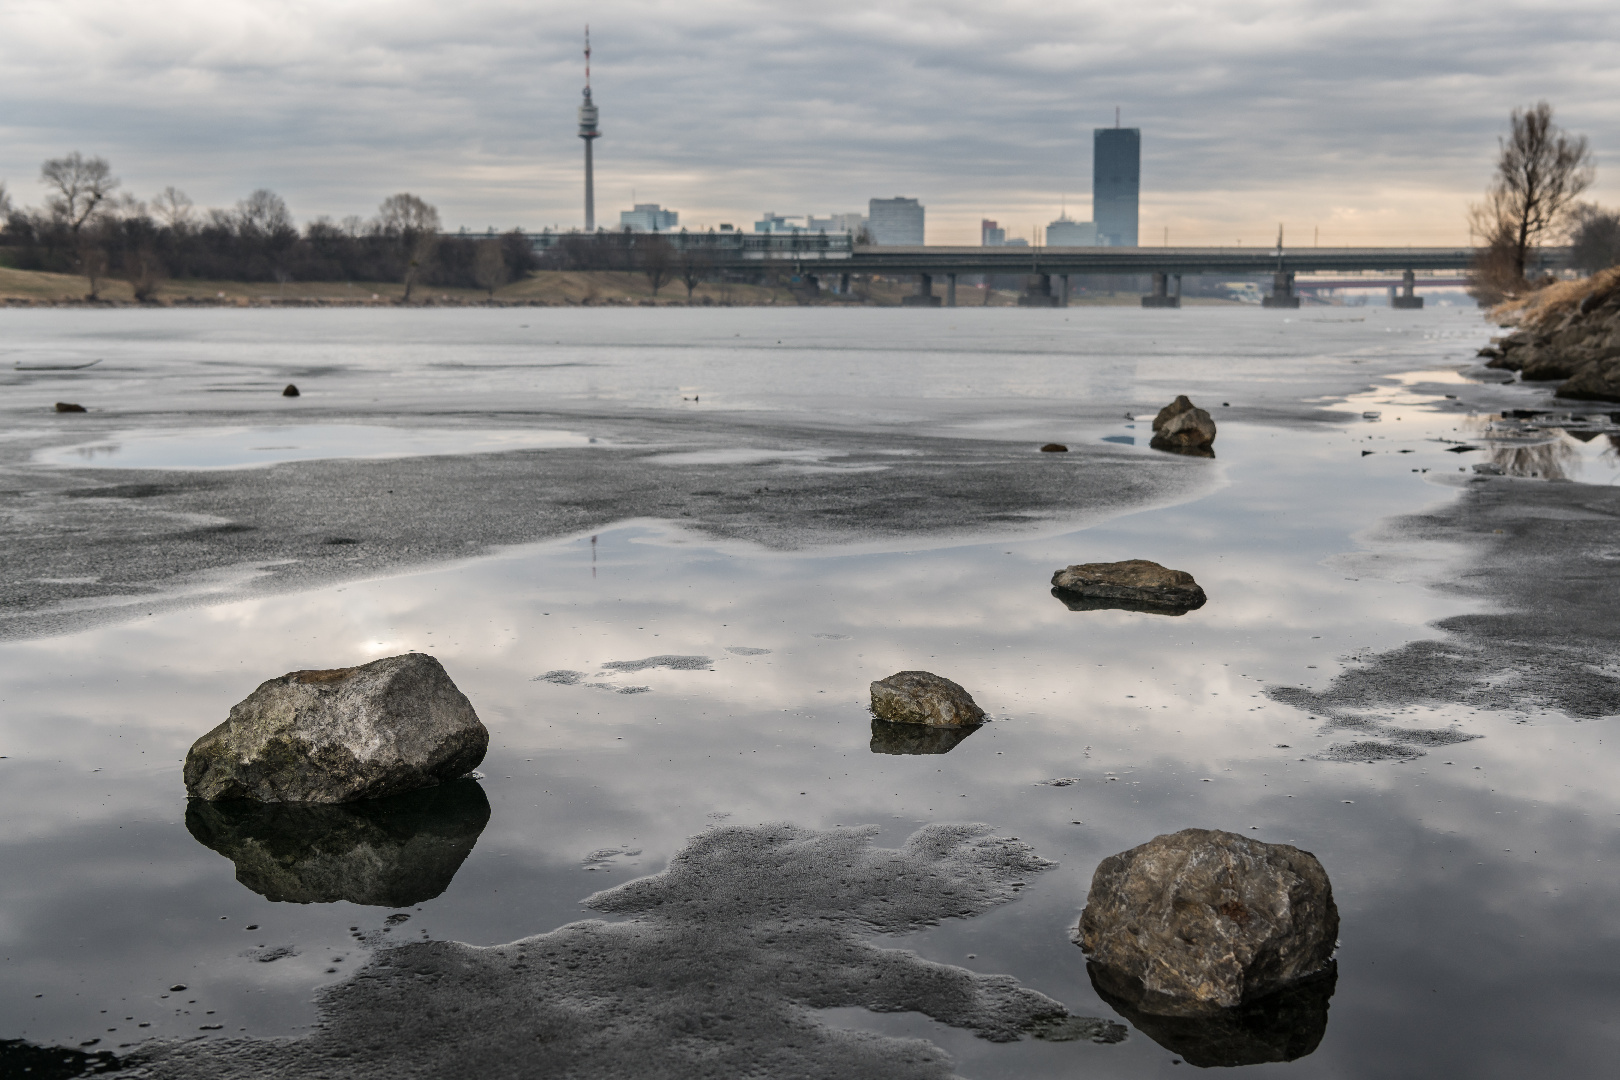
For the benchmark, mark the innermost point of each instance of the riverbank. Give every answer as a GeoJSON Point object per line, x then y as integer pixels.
{"type": "Point", "coordinates": [543, 288]}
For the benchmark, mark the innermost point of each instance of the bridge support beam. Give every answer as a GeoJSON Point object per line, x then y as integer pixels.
{"type": "Point", "coordinates": [1063, 291]}
{"type": "Point", "coordinates": [1161, 297]}
{"type": "Point", "coordinates": [1282, 291]}
{"type": "Point", "coordinates": [1038, 292]}
{"type": "Point", "coordinates": [843, 284]}
{"type": "Point", "coordinates": [924, 296]}
{"type": "Point", "coordinates": [950, 290]}
{"type": "Point", "coordinates": [1408, 298]}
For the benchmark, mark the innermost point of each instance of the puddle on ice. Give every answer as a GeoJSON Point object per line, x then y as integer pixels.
{"type": "Point", "coordinates": [1474, 883]}
{"type": "Point", "coordinates": [247, 447]}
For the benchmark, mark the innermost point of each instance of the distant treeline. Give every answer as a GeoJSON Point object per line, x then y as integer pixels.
{"type": "Point", "coordinates": [87, 227]}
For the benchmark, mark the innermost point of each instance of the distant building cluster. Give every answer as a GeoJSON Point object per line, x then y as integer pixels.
{"type": "Point", "coordinates": [992, 234]}
{"type": "Point", "coordinates": [649, 217]}
{"type": "Point", "coordinates": [1116, 181]}
{"type": "Point", "coordinates": [1116, 184]}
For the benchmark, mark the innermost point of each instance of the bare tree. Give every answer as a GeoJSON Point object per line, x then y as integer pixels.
{"type": "Point", "coordinates": [5, 199]}
{"type": "Point", "coordinates": [1594, 238]}
{"type": "Point", "coordinates": [696, 264]}
{"type": "Point", "coordinates": [1540, 171]}
{"type": "Point", "coordinates": [263, 212]}
{"type": "Point", "coordinates": [489, 266]}
{"type": "Point", "coordinates": [174, 208]}
{"type": "Point", "coordinates": [93, 258]}
{"type": "Point", "coordinates": [655, 257]}
{"type": "Point", "coordinates": [415, 226]}
{"type": "Point", "coordinates": [80, 187]}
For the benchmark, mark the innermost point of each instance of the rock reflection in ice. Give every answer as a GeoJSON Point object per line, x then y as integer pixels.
{"type": "Point", "coordinates": [1075, 602]}
{"type": "Point", "coordinates": [1284, 1026]}
{"type": "Point", "coordinates": [390, 852]}
{"type": "Point", "coordinates": [890, 738]}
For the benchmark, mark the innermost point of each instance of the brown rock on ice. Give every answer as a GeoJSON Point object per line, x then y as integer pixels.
{"type": "Point", "coordinates": [1200, 921]}
{"type": "Point", "coordinates": [68, 406]}
{"type": "Point", "coordinates": [1183, 428]}
{"type": "Point", "coordinates": [291, 391]}
{"type": "Point", "coordinates": [390, 726]}
{"type": "Point", "coordinates": [921, 697]}
{"type": "Point", "coordinates": [1054, 448]}
{"type": "Point", "coordinates": [1134, 582]}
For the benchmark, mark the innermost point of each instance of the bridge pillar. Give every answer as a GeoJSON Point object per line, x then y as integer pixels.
{"type": "Point", "coordinates": [1161, 297]}
{"type": "Point", "coordinates": [1408, 298]}
{"type": "Point", "coordinates": [1063, 291]}
{"type": "Point", "coordinates": [843, 284]}
{"type": "Point", "coordinates": [1282, 291]}
{"type": "Point", "coordinates": [1038, 292]}
{"type": "Point", "coordinates": [950, 290]}
{"type": "Point", "coordinates": [925, 293]}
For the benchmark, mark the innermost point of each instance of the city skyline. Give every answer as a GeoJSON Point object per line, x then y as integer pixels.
{"type": "Point", "coordinates": [1372, 125]}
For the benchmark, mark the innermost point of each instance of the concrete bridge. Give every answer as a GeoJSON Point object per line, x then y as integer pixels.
{"type": "Point", "coordinates": [1165, 265]}
{"type": "Point", "coordinates": [820, 257]}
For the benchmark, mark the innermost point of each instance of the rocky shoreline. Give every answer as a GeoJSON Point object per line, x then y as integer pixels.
{"type": "Point", "coordinates": [1572, 336]}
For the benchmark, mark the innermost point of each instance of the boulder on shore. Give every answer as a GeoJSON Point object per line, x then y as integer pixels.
{"type": "Point", "coordinates": [1200, 921]}
{"type": "Point", "coordinates": [921, 697]}
{"type": "Point", "coordinates": [1135, 584]}
{"type": "Point", "coordinates": [1183, 428]}
{"type": "Point", "coordinates": [387, 727]}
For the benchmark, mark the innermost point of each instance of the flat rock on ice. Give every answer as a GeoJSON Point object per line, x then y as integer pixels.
{"type": "Point", "coordinates": [921, 697]}
{"type": "Point", "coordinates": [1135, 584]}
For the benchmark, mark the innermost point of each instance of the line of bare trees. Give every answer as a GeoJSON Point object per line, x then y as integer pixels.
{"type": "Point", "coordinates": [89, 226]}
{"type": "Point", "coordinates": [650, 254]}
{"type": "Point", "coordinates": [1541, 172]}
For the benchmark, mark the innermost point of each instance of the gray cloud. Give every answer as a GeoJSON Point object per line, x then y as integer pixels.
{"type": "Point", "coordinates": [1373, 122]}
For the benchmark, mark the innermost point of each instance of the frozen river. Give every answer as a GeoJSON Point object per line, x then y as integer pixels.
{"type": "Point", "coordinates": [1473, 863]}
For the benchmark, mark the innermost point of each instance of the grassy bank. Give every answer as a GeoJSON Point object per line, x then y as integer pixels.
{"type": "Point", "coordinates": [550, 288]}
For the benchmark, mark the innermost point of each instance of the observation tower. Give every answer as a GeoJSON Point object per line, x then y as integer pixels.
{"type": "Point", "coordinates": [588, 132]}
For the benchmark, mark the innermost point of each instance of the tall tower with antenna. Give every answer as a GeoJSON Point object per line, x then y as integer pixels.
{"type": "Point", "coordinates": [588, 132]}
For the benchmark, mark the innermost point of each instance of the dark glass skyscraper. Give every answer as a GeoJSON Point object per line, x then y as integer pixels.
{"type": "Point", "coordinates": [1116, 184]}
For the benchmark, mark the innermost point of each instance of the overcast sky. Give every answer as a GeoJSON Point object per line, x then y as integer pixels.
{"type": "Point", "coordinates": [1371, 121]}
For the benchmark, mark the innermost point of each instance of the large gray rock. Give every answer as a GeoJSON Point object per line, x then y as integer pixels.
{"type": "Point", "coordinates": [1183, 428]}
{"type": "Point", "coordinates": [921, 697]}
{"type": "Point", "coordinates": [1135, 584]}
{"type": "Point", "coordinates": [1199, 921]}
{"type": "Point", "coordinates": [390, 726]}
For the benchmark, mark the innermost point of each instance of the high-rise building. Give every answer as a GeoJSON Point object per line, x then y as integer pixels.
{"type": "Point", "coordinates": [1067, 232]}
{"type": "Point", "coordinates": [1116, 184]}
{"type": "Point", "coordinates": [991, 234]}
{"type": "Point", "coordinates": [649, 217]}
{"type": "Point", "coordinates": [588, 132]}
{"type": "Point", "coordinates": [895, 221]}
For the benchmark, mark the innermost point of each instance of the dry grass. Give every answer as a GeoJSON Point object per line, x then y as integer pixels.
{"type": "Point", "coordinates": [547, 287]}
{"type": "Point", "coordinates": [1548, 305]}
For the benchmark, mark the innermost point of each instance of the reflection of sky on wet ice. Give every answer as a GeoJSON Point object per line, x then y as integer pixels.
{"type": "Point", "coordinates": [1475, 883]}
{"type": "Point", "coordinates": [247, 447]}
